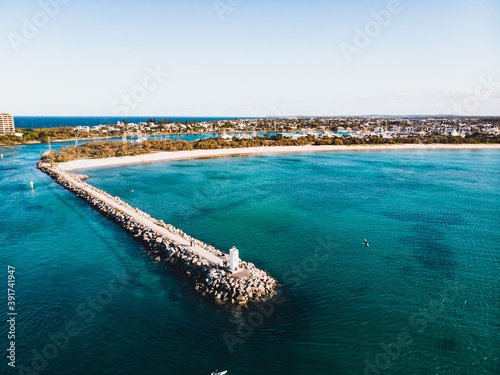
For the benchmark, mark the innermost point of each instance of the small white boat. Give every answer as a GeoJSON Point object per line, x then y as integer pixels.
{"type": "Point", "coordinates": [219, 373]}
{"type": "Point", "coordinates": [141, 138]}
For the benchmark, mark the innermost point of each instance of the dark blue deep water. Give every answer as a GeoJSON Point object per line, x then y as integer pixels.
{"type": "Point", "coordinates": [423, 298]}
{"type": "Point", "coordinates": [33, 122]}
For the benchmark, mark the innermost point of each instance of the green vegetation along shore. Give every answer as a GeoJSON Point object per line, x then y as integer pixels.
{"type": "Point", "coordinates": [96, 150]}
{"type": "Point", "coordinates": [41, 135]}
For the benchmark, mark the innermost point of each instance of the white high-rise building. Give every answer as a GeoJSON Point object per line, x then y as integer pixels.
{"type": "Point", "coordinates": [7, 124]}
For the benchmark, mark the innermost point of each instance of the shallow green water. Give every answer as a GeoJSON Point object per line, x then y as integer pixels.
{"type": "Point", "coordinates": [429, 276]}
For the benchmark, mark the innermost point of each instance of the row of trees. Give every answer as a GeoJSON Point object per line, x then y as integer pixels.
{"type": "Point", "coordinates": [97, 150]}
{"type": "Point", "coordinates": [40, 135]}
{"type": "Point", "coordinates": [94, 150]}
{"type": "Point", "coordinates": [428, 139]}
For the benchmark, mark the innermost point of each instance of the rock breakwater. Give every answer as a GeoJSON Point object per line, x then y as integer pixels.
{"type": "Point", "coordinates": [205, 265]}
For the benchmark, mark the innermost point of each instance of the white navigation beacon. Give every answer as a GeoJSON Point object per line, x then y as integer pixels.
{"type": "Point", "coordinates": [233, 259]}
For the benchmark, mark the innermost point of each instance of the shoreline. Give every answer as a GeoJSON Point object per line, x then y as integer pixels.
{"type": "Point", "coordinates": [267, 150]}
{"type": "Point", "coordinates": [108, 138]}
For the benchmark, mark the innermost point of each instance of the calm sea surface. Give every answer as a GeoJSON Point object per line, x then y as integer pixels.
{"type": "Point", "coordinates": [33, 122]}
{"type": "Point", "coordinates": [423, 298]}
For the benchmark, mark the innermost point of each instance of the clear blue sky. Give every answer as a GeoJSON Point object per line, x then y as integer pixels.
{"type": "Point", "coordinates": [255, 58]}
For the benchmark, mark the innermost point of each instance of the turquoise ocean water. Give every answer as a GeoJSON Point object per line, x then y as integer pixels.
{"type": "Point", "coordinates": [423, 298]}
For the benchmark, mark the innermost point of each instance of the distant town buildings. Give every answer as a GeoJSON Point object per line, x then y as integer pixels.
{"type": "Point", "coordinates": [7, 124]}
{"type": "Point", "coordinates": [83, 129]}
{"type": "Point", "coordinates": [300, 127]}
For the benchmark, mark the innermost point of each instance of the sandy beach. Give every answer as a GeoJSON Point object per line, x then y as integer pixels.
{"type": "Point", "coordinates": [199, 154]}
